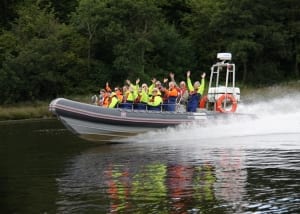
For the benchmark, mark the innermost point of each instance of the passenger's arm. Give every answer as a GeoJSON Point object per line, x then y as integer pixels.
{"type": "Point", "coordinates": [202, 85]}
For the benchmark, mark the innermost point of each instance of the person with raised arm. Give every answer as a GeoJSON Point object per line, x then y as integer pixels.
{"type": "Point", "coordinates": [183, 92]}
{"type": "Point", "coordinates": [142, 98]}
{"type": "Point", "coordinates": [195, 92]}
{"type": "Point", "coordinates": [130, 94]}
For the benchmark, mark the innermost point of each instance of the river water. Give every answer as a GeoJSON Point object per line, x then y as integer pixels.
{"type": "Point", "coordinates": [249, 166]}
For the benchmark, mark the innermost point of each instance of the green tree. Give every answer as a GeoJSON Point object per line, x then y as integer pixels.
{"type": "Point", "coordinates": [7, 12]}
{"type": "Point", "coordinates": [62, 8]}
{"type": "Point", "coordinates": [291, 12]}
{"type": "Point", "coordinates": [86, 19]}
{"type": "Point", "coordinates": [255, 32]}
{"type": "Point", "coordinates": [199, 28]}
{"type": "Point", "coordinates": [132, 39]}
{"type": "Point", "coordinates": [39, 57]}
{"type": "Point", "coordinates": [238, 27]}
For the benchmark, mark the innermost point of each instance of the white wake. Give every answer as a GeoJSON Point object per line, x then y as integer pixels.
{"type": "Point", "coordinates": [275, 116]}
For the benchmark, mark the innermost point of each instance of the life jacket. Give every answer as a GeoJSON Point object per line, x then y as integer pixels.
{"type": "Point", "coordinates": [141, 101]}
{"type": "Point", "coordinates": [155, 106]}
{"type": "Point", "coordinates": [113, 100]}
{"type": "Point", "coordinates": [178, 90]}
{"type": "Point", "coordinates": [172, 94]}
{"type": "Point", "coordinates": [128, 97]}
{"type": "Point", "coordinates": [128, 100]}
{"type": "Point", "coordinates": [119, 96]}
{"type": "Point", "coordinates": [105, 100]}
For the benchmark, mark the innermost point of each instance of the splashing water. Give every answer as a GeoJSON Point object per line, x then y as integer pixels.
{"type": "Point", "coordinates": [275, 116]}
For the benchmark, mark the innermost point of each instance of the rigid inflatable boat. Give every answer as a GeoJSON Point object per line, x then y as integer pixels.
{"type": "Point", "coordinates": [93, 122]}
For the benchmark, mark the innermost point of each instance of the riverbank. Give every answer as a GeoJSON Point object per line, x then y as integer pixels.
{"type": "Point", "coordinates": [40, 109]}
{"type": "Point", "coordinates": [25, 111]}
{"type": "Point", "coordinates": [29, 110]}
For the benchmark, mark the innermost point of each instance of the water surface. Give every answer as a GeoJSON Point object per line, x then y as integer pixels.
{"type": "Point", "coordinates": [249, 166]}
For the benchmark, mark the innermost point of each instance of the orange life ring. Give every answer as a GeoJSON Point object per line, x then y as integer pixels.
{"type": "Point", "coordinates": [203, 102]}
{"type": "Point", "coordinates": [227, 97]}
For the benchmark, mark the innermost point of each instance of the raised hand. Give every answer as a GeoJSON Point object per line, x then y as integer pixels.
{"type": "Point", "coordinates": [188, 74]}
{"type": "Point", "coordinates": [137, 81]}
{"type": "Point", "coordinates": [153, 80]}
{"type": "Point", "coordinates": [171, 75]}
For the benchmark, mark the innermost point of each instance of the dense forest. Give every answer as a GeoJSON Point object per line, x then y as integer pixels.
{"type": "Point", "coordinates": [51, 48]}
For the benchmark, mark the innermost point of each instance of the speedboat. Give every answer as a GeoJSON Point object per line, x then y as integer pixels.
{"type": "Point", "coordinates": [96, 123]}
{"type": "Point", "coordinates": [88, 121]}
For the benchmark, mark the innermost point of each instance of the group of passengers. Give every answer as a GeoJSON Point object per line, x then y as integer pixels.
{"type": "Point", "coordinates": [157, 96]}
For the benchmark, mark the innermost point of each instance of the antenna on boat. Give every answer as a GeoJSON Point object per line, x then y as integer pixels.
{"type": "Point", "coordinates": [222, 93]}
{"type": "Point", "coordinates": [224, 57]}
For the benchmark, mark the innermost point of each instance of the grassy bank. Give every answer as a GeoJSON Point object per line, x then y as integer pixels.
{"type": "Point", "coordinates": [34, 110]}
{"type": "Point", "coordinates": [25, 111]}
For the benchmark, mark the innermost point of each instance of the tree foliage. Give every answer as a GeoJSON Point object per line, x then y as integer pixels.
{"type": "Point", "coordinates": [52, 48]}
{"type": "Point", "coordinates": [39, 58]}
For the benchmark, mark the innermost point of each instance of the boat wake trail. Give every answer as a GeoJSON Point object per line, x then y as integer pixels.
{"type": "Point", "coordinates": [275, 116]}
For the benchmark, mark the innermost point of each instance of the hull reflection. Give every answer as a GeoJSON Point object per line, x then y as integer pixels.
{"type": "Point", "coordinates": [150, 182]}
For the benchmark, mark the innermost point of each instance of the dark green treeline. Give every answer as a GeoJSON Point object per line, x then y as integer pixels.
{"type": "Point", "coordinates": [51, 48]}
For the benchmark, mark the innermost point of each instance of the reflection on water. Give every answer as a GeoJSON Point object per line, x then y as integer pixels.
{"type": "Point", "coordinates": [165, 187]}
{"type": "Point", "coordinates": [165, 178]}
{"type": "Point", "coordinates": [141, 185]}
{"type": "Point", "coordinates": [45, 169]}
